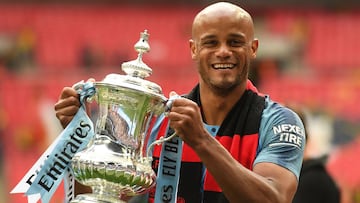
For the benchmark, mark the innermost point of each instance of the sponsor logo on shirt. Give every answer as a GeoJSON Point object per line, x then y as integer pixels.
{"type": "Point", "coordinates": [289, 134]}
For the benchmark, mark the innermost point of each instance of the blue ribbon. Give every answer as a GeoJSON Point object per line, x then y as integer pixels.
{"type": "Point", "coordinates": [169, 170]}
{"type": "Point", "coordinates": [73, 139]}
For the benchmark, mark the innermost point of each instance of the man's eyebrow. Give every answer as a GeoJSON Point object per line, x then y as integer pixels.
{"type": "Point", "coordinates": [237, 35]}
{"type": "Point", "coordinates": [207, 37]}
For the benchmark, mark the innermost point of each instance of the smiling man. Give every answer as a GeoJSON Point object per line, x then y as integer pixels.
{"type": "Point", "coordinates": [239, 145]}
{"type": "Point", "coordinates": [223, 40]}
{"type": "Point", "coordinates": [232, 153]}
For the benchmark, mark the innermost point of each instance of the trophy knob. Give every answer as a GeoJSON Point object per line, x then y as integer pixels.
{"type": "Point", "coordinates": [142, 46]}
{"type": "Point", "coordinates": [137, 68]}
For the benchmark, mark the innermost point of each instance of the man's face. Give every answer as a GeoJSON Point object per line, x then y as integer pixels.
{"type": "Point", "coordinates": [222, 47]}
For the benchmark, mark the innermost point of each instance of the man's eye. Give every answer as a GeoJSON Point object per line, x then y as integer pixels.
{"type": "Point", "coordinates": [209, 43]}
{"type": "Point", "coordinates": [236, 43]}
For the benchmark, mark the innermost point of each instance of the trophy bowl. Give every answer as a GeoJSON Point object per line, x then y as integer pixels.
{"type": "Point", "coordinates": [116, 163]}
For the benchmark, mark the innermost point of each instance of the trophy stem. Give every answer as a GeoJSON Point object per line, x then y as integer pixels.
{"type": "Point", "coordinates": [100, 194]}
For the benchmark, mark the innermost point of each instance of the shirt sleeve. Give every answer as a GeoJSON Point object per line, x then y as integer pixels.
{"type": "Point", "coordinates": [282, 138]}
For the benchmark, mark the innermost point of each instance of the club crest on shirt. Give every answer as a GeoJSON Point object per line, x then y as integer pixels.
{"type": "Point", "coordinates": [289, 134]}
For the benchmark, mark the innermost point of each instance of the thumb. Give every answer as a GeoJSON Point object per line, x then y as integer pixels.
{"type": "Point", "coordinates": [172, 94]}
{"type": "Point", "coordinates": [91, 80]}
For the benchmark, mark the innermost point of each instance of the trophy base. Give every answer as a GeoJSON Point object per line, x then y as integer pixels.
{"type": "Point", "coordinates": [93, 198]}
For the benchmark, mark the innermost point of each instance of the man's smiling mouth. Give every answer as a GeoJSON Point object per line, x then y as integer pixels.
{"type": "Point", "coordinates": [223, 66]}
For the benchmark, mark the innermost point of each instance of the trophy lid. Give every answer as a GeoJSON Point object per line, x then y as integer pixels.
{"type": "Point", "coordinates": [136, 70]}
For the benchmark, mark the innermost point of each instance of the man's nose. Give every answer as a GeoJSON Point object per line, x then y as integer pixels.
{"type": "Point", "coordinates": [223, 51]}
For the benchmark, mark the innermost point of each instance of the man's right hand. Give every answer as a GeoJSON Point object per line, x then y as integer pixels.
{"type": "Point", "coordinates": [67, 105]}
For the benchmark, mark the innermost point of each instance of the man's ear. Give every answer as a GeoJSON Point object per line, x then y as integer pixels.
{"type": "Point", "coordinates": [254, 47]}
{"type": "Point", "coordinates": [192, 49]}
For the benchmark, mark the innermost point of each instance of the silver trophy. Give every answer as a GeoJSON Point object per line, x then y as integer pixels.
{"type": "Point", "coordinates": [117, 161]}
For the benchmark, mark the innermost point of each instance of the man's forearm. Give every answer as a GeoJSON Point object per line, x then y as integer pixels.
{"type": "Point", "coordinates": [237, 182]}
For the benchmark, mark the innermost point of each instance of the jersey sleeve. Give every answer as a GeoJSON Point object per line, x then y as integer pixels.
{"type": "Point", "coordinates": [282, 138]}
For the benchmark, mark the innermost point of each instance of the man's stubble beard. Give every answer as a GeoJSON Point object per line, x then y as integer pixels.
{"type": "Point", "coordinates": [225, 87]}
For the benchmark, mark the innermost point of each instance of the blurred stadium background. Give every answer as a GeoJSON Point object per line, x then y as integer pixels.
{"type": "Point", "coordinates": [308, 56]}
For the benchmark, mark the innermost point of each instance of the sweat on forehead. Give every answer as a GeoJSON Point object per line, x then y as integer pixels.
{"type": "Point", "coordinates": [221, 9]}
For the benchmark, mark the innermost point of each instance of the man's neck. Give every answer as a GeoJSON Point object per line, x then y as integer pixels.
{"type": "Point", "coordinates": [215, 107]}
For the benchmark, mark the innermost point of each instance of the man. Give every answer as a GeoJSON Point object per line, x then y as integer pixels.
{"type": "Point", "coordinates": [253, 149]}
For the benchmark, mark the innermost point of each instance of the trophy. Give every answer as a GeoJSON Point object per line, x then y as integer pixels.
{"type": "Point", "coordinates": [117, 162]}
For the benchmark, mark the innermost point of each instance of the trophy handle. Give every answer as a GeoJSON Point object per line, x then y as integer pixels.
{"type": "Point", "coordinates": [81, 85]}
{"type": "Point", "coordinates": [159, 141]}
{"type": "Point", "coordinates": [168, 106]}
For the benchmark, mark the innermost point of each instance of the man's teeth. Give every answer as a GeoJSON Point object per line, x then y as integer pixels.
{"type": "Point", "coordinates": [223, 66]}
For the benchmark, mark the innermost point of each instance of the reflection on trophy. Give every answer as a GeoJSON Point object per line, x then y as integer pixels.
{"type": "Point", "coordinates": [116, 162]}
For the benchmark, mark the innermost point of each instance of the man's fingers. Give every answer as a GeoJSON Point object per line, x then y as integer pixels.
{"type": "Point", "coordinates": [67, 111]}
{"type": "Point", "coordinates": [65, 120]}
{"type": "Point", "coordinates": [68, 92]}
{"type": "Point", "coordinates": [67, 102]}
{"type": "Point", "coordinates": [65, 114]}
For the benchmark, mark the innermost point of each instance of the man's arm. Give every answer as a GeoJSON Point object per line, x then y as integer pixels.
{"type": "Point", "coordinates": [267, 182]}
